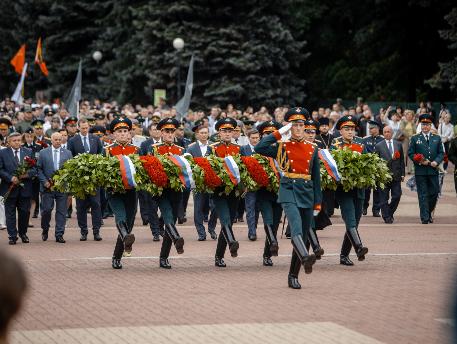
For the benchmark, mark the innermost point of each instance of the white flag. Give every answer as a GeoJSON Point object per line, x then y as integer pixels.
{"type": "Point", "coordinates": [183, 104]}
{"type": "Point", "coordinates": [17, 96]}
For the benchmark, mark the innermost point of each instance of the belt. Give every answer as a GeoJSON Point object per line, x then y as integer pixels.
{"type": "Point", "coordinates": [297, 175]}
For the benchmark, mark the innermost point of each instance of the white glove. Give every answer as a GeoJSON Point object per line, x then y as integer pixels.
{"type": "Point", "coordinates": [285, 129]}
{"type": "Point", "coordinates": [316, 212]}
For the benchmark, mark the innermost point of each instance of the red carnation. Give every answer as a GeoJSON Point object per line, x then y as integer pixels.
{"type": "Point", "coordinates": [256, 171]}
{"type": "Point", "coordinates": [155, 170]}
{"type": "Point", "coordinates": [396, 155]}
{"type": "Point", "coordinates": [418, 158]}
{"type": "Point", "coordinates": [30, 161]}
{"type": "Point", "coordinates": [212, 180]}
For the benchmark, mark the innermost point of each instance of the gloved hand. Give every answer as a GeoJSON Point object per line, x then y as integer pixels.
{"type": "Point", "coordinates": [285, 129]}
{"type": "Point", "coordinates": [316, 212]}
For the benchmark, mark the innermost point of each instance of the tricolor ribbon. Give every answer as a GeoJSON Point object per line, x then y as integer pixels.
{"type": "Point", "coordinates": [232, 170]}
{"type": "Point", "coordinates": [275, 166]}
{"type": "Point", "coordinates": [330, 164]}
{"type": "Point", "coordinates": [127, 171]}
{"type": "Point", "coordinates": [185, 174]}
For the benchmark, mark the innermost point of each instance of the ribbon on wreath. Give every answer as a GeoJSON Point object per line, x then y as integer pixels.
{"type": "Point", "coordinates": [185, 174]}
{"type": "Point", "coordinates": [275, 167]}
{"type": "Point", "coordinates": [127, 171]}
{"type": "Point", "coordinates": [232, 170]}
{"type": "Point", "coordinates": [330, 164]}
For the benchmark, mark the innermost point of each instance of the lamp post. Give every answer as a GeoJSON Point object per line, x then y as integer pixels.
{"type": "Point", "coordinates": [178, 44]}
{"type": "Point", "coordinates": [97, 56]}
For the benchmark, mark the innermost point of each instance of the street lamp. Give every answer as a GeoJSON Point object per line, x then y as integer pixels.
{"type": "Point", "coordinates": [178, 44]}
{"type": "Point", "coordinates": [97, 56]}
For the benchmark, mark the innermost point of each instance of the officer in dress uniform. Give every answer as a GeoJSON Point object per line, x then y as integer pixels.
{"type": "Point", "coordinates": [124, 205]}
{"type": "Point", "coordinates": [351, 203]}
{"type": "Point", "coordinates": [169, 201]}
{"type": "Point", "coordinates": [370, 142]}
{"type": "Point", "coordinates": [268, 205]}
{"type": "Point", "coordinates": [426, 169]}
{"type": "Point", "coordinates": [225, 205]}
{"type": "Point", "coordinates": [37, 126]}
{"type": "Point", "coordinates": [300, 186]}
{"type": "Point", "coordinates": [71, 126]}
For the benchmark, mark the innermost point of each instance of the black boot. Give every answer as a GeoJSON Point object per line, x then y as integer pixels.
{"type": "Point", "coordinates": [267, 261]}
{"type": "Point", "coordinates": [116, 263]}
{"type": "Point", "coordinates": [344, 260]}
{"type": "Point", "coordinates": [314, 241]}
{"type": "Point", "coordinates": [271, 238]}
{"type": "Point", "coordinates": [230, 238]}
{"type": "Point", "coordinates": [361, 251]}
{"type": "Point", "coordinates": [307, 260]}
{"type": "Point", "coordinates": [127, 238]}
{"type": "Point", "coordinates": [164, 264]}
{"type": "Point", "coordinates": [219, 262]}
{"type": "Point", "coordinates": [294, 271]}
{"type": "Point", "coordinates": [177, 240]}
{"type": "Point", "coordinates": [97, 236]}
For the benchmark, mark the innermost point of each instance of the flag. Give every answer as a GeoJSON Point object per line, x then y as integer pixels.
{"type": "Point", "coordinates": [39, 58]}
{"type": "Point", "coordinates": [17, 96]}
{"type": "Point", "coordinates": [18, 60]}
{"type": "Point", "coordinates": [72, 103]}
{"type": "Point", "coordinates": [183, 104]}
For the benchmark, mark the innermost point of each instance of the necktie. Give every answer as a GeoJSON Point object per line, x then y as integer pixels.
{"type": "Point", "coordinates": [86, 146]}
{"type": "Point", "coordinates": [56, 162]}
{"type": "Point", "coordinates": [426, 138]}
{"type": "Point", "coordinates": [391, 149]}
{"type": "Point", "coordinates": [16, 155]}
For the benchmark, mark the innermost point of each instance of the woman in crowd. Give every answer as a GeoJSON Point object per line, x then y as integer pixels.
{"type": "Point", "coordinates": [408, 128]}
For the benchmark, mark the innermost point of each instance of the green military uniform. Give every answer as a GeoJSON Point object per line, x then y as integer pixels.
{"type": "Point", "coordinates": [299, 189]}
{"type": "Point", "coordinates": [427, 179]}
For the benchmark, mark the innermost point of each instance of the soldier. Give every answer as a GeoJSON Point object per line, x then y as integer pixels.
{"type": "Point", "coordinates": [269, 207]}
{"type": "Point", "coordinates": [351, 203]}
{"type": "Point", "coordinates": [37, 126]}
{"type": "Point", "coordinates": [122, 204]}
{"type": "Point", "coordinates": [169, 201]}
{"type": "Point", "coordinates": [300, 187]}
{"type": "Point", "coordinates": [71, 126]}
{"type": "Point", "coordinates": [325, 141]}
{"type": "Point", "coordinates": [426, 151]}
{"type": "Point", "coordinates": [225, 205]}
{"type": "Point", "coordinates": [370, 142]}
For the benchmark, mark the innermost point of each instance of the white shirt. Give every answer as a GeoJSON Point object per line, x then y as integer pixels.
{"type": "Point", "coordinates": [203, 147]}
{"type": "Point", "coordinates": [446, 131]}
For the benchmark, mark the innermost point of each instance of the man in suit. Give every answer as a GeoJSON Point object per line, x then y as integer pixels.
{"type": "Point", "coordinates": [391, 151]}
{"type": "Point", "coordinates": [21, 192]}
{"type": "Point", "coordinates": [50, 160]}
{"type": "Point", "coordinates": [426, 151]}
{"type": "Point", "coordinates": [198, 149]}
{"type": "Point", "coordinates": [83, 142]}
{"type": "Point", "coordinates": [252, 211]}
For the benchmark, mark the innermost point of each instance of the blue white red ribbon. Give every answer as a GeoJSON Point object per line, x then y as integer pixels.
{"type": "Point", "coordinates": [127, 171]}
{"type": "Point", "coordinates": [276, 167]}
{"type": "Point", "coordinates": [232, 170]}
{"type": "Point", "coordinates": [185, 174]}
{"type": "Point", "coordinates": [330, 164]}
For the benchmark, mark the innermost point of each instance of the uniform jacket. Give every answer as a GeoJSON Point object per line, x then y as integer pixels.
{"type": "Point", "coordinates": [221, 149]}
{"type": "Point", "coordinates": [370, 142]}
{"type": "Point", "coordinates": [246, 150]}
{"type": "Point", "coordinates": [167, 149]}
{"type": "Point", "coordinates": [117, 149]}
{"type": "Point", "coordinates": [46, 164]}
{"type": "Point", "coordinates": [433, 152]}
{"type": "Point", "coordinates": [8, 167]}
{"type": "Point", "coordinates": [396, 166]}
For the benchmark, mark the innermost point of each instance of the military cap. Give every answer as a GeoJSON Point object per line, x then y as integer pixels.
{"type": "Point", "coordinates": [311, 124]}
{"type": "Point", "coordinates": [90, 119]}
{"type": "Point", "coordinates": [426, 118]}
{"type": "Point", "coordinates": [140, 119]}
{"type": "Point", "coordinates": [97, 130]}
{"type": "Point", "coordinates": [99, 115]}
{"type": "Point", "coordinates": [29, 130]}
{"type": "Point", "coordinates": [120, 123]}
{"type": "Point", "coordinates": [48, 112]}
{"type": "Point", "coordinates": [5, 123]}
{"type": "Point", "coordinates": [37, 124]}
{"type": "Point", "coordinates": [372, 123]}
{"type": "Point", "coordinates": [155, 118]}
{"type": "Point", "coordinates": [346, 121]}
{"type": "Point", "coordinates": [296, 114]}
{"type": "Point", "coordinates": [71, 120]}
{"type": "Point", "coordinates": [168, 123]}
{"type": "Point", "coordinates": [197, 125]}
{"type": "Point", "coordinates": [268, 127]}
{"type": "Point", "coordinates": [225, 123]}
{"type": "Point", "coordinates": [324, 121]}
{"type": "Point", "coordinates": [246, 120]}
{"type": "Point", "coordinates": [27, 108]}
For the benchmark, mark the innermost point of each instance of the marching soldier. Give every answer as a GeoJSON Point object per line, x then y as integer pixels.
{"type": "Point", "coordinates": [351, 203]}
{"type": "Point", "coordinates": [426, 151]}
{"type": "Point", "coordinates": [300, 187]}
{"type": "Point", "coordinates": [169, 201]}
{"type": "Point", "coordinates": [267, 202]}
{"type": "Point", "coordinates": [124, 205]}
{"type": "Point", "coordinates": [225, 205]}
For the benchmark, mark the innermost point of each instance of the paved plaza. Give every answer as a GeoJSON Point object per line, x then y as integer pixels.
{"type": "Point", "coordinates": [400, 294]}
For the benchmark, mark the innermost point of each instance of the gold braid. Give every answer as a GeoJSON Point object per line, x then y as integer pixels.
{"type": "Point", "coordinates": [282, 160]}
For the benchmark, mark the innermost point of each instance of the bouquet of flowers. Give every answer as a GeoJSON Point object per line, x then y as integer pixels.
{"type": "Point", "coordinates": [357, 171]}
{"type": "Point", "coordinates": [21, 170]}
{"type": "Point", "coordinates": [418, 158]}
{"type": "Point", "coordinates": [396, 155]}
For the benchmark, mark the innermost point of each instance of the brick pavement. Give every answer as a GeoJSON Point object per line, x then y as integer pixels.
{"type": "Point", "coordinates": [400, 294]}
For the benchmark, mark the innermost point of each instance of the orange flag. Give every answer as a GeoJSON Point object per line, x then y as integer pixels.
{"type": "Point", "coordinates": [39, 58]}
{"type": "Point", "coordinates": [18, 60]}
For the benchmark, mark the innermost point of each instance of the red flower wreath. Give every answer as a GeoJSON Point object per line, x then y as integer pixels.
{"type": "Point", "coordinates": [256, 171]}
{"type": "Point", "coordinates": [155, 170]}
{"type": "Point", "coordinates": [212, 180]}
{"type": "Point", "coordinates": [418, 158]}
{"type": "Point", "coordinates": [396, 155]}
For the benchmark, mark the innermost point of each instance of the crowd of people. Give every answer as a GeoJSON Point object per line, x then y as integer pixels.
{"type": "Point", "coordinates": [49, 135]}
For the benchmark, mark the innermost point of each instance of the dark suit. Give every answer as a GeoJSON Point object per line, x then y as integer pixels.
{"type": "Point", "coordinates": [76, 146]}
{"type": "Point", "coordinates": [45, 171]}
{"type": "Point", "coordinates": [370, 143]}
{"type": "Point", "coordinates": [252, 211]}
{"type": "Point", "coordinates": [19, 197]}
{"type": "Point", "coordinates": [397, 168]}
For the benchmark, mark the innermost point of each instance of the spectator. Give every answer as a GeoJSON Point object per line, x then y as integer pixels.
{"type": "Point", "coordinates": [446, 131]}
{"type": "Point", "coordinates": [408, 128]}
